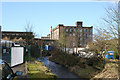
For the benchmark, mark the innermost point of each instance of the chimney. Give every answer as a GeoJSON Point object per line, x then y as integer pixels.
{"type": "Point", "coordinates": [79, 23]}
{"type": "Point", "coordinates": [60, 25]}
{"type": "Point", "coordinates": [51, 32]}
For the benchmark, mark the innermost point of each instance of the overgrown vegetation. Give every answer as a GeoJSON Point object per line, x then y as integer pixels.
{"type": "Point", "coordinates": [37, 70]}
{"type": "Point", "coordinates": [110, 71]}
{"type": "Point", "coordinates": [31, 44]}
{"type": "Point", "coordinates": [93, 68]}
{"type": "Point", "coordinates": [84, 68]}
{"type": "Point", "coordinates": [65, 59]}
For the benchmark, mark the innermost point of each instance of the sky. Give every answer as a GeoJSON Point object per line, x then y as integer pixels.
{"type": "Point", "coordinates": [42, 15]}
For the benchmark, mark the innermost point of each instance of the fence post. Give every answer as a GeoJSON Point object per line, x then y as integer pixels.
{"type": "Point", "coordinates": [29, 48]}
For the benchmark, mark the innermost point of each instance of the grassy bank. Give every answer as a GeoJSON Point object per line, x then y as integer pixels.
{"type": "Point", "coordinates": [38, 70]}
{"type": "Point", "coordinates": [84, 68]}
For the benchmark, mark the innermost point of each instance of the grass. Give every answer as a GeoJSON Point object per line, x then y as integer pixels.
{"type": "Point", "coordinates": [38, 70]}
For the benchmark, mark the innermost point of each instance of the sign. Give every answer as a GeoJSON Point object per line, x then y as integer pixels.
{"type": "Point", "coordinates": [17, 55]}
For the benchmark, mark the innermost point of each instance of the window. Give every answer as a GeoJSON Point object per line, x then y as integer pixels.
{"type": "Point", "coordinates": [89, 30]}
{"type": "Point", "coordinates": [83, 34]}
{"type": "Point", "coordinates": [90, 35]}
{"type": "Point", "coordinates": [74, 29]}
{"type": "Point", "coordinates": [86, 30]}
{"type": "Point", "coordinates": [13, 34]}
{"type": "Point", "coordinates": [86, 36]}
{"type": "Point", "coordinates": [16, 34]}
{"type": "Point", "coordinates": [66, 29]}
{"type": "Point", "coordinates": [83, 39]}
{"type": "Point", "coordinates": [70, 30]}
{"type": "Point", "coordinates": [80, 39]}
{"type": "Point", "coordinates": [73, 39]}
{"type": "Point", "coordinates": [83, 30]}
{"type": "Point", "coordinates": [80, 30]}
{"type": "Point", "coordinates": [73, 44]}
{"type": "Point", "coordinates": [80, 44]}
{"type": "Point", "coordinates": [73, 34]}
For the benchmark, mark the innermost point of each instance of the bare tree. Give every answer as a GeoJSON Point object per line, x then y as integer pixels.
{"type": "Point", "coordinates": [77, 37]}
{"type": "Point", "coordinates": [107, 39]}
{"type": "Point", "coordinates": [34, 45]}
{"type": "Point", "coordinates": [112, 22]}
{"type": "Point", "coordinates": [69, 43]}
{"type": "Point", "coordinates": [103, 41]}
{"type": "Point", "coordinates": [29, 37]}
{"type": "Point", "coordinates": [62, 39]}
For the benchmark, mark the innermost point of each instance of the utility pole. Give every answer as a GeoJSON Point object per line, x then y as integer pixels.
{"type": "Point", "coordinates": [41, 47]}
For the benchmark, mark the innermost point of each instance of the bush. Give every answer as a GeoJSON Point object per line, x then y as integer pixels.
{"type": "Point", "coordinates": [116, 55]}
{"type": "Point", "coordinates": [64, 58]}
{"type": "Point", "coordinates": [35, 51]}
{"type": "Point", "coordinates": [95, 61]}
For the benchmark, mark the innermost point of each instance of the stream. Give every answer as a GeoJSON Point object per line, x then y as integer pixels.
{"type": "Point", "coordinates": [57, 69]}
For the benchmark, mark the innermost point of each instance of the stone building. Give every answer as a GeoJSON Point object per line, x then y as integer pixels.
{"type": "Point", "coordinates": [76, 36]}
{"type": "Point", "coordinates": [14, 35]}
{"type": "Point", "coordinates": [17, 37]}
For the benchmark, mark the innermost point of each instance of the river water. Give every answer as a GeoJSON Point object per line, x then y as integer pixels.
{"type": "Point", "coordinates": [60, 71]}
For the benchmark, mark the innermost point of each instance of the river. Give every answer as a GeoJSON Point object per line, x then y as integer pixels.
{"type": "Point", "coordinates": [57, 69]}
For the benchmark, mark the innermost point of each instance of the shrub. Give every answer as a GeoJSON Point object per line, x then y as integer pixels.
{"type": "Point", "coordinates": [116, 55]}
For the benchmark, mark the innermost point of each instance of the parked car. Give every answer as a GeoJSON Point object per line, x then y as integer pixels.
{"type": "Point", "coordinates": [7, 72]}
{"type": "Point", "coordinates": [109, 54]}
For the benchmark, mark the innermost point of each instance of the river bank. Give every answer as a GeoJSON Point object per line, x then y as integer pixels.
{"type": "Point", "coordinates": [84, 68]}
{"type": "Point", "coordinates": [57, 69]}
{"type": "Point", "coordinates": [92, 68]}
{"type": "Point", "coordinates": [110, 72]}
{"type": "Point", "coordinates": [37, 70]}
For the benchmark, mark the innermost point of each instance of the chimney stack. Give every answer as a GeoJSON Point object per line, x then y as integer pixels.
{"type": "Point", "coordinates": [79, 23]}
{"type": "Point", "coordinates": [51, 32]}
{"type": "Point", "coordinates": [60, 24]}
